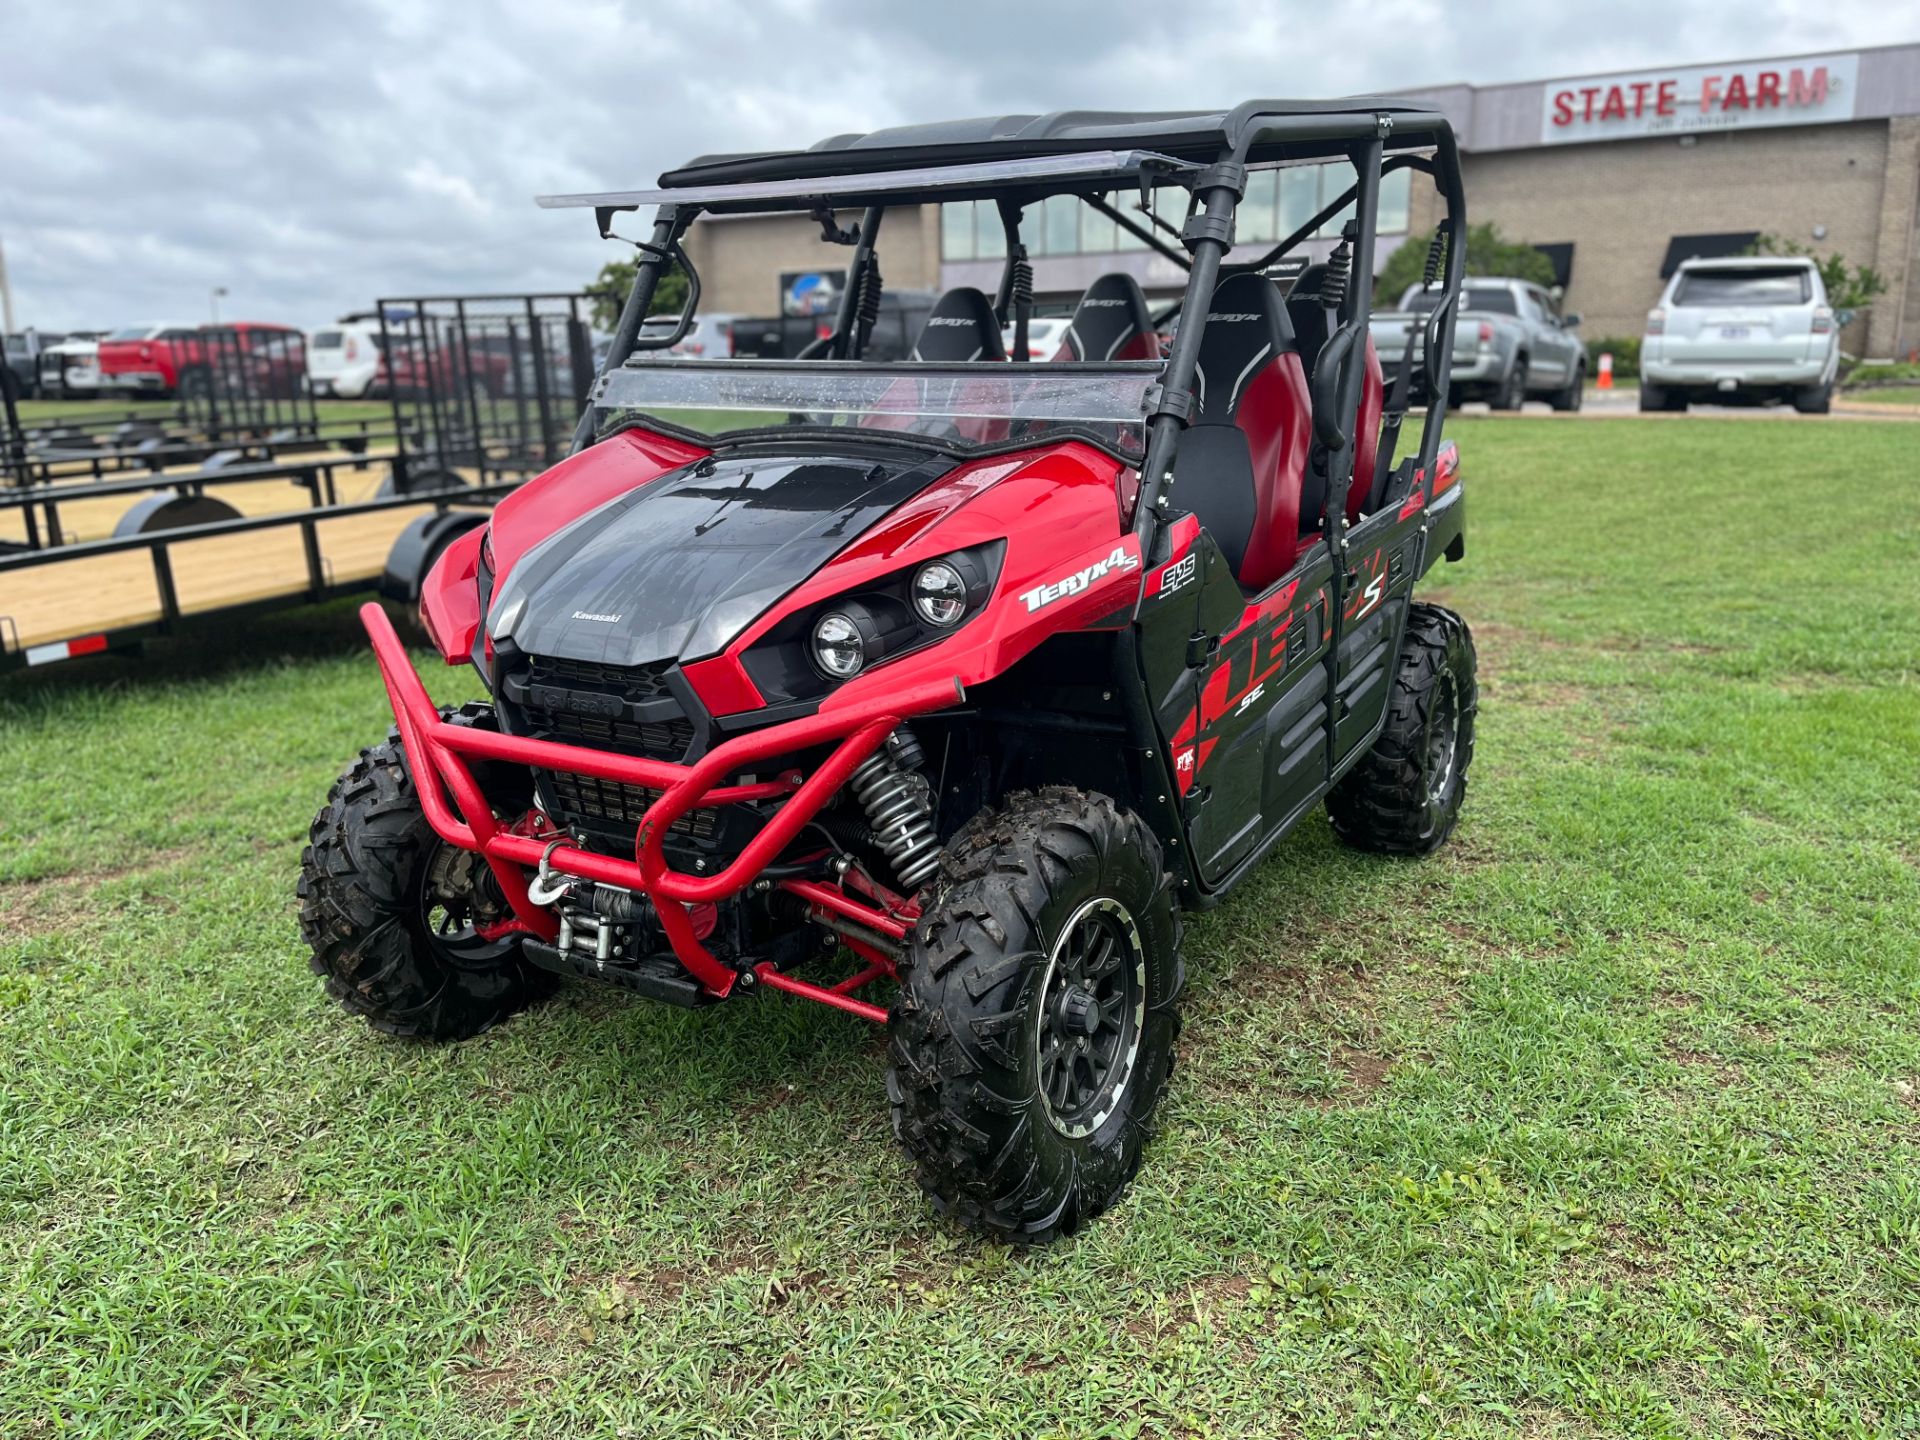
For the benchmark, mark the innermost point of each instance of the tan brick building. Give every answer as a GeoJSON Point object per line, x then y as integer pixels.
{"type": "Point", "coordinates": [1618, 176]}
{"type": "Point", "coordinates": [1819, 150]}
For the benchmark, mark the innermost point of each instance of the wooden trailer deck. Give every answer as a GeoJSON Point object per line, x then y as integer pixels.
{"type": "Point", "coordinates": [94, 517]}
{"type": "Point", "coordinates": [94, 594]}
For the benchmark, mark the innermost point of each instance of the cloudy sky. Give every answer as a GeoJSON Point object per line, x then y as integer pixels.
{"type": "Point", "coordinates": [312, 157]}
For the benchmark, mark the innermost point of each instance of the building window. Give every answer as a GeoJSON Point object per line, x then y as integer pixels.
{"type": "Point", "coordinates": [1098, 234]}
{"type": "Point", "coordinates": [956, 231]}
{"type": "Point", "coordinates": [1063, 225]}
{"type": "Point", "coordinates": [1258, 217]}
{"type": "Point", "coordinates": [1396, 191]}
{"type": "Point", "coordinates": [1299, 197]}
{"type": "Point", "coordinates": [1277, 203]}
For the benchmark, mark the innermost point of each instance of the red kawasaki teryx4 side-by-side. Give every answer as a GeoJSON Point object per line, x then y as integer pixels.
{"type": "Point", "coordinates": [980, 669]}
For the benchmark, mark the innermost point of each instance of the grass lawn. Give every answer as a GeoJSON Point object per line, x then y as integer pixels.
{"type": "Point", "coordinates": [1602, 1122]}
{"type": "Point", "coordinates": [1907, 395]}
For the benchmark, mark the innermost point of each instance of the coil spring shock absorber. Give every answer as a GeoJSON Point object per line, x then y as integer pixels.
{"type": "Point", "coordinates": [899, 806]}
{"type": "Point", "coordinates": [1333, 286]}
{"type": "Point", "coordinates": [1436, 257]}
{"type": "Point", "coordinates": [867, 307]}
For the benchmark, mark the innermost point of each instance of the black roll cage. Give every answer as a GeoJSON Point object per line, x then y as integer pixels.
{"type": "Point", "coordinates": [1264, 132]}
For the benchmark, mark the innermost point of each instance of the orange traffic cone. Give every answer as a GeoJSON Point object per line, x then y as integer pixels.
{"type": "Point", "coordinates": [1605, 382]}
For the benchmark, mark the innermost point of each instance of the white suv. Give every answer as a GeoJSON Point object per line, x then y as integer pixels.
{"type": "Point", "coordinates": [344, 359]}
{"type": "Point", "coordinates": [1744, 330]}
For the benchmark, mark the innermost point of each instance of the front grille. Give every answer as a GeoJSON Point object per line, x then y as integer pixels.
{"type": "Point", "coordinates": [614, 809]}
{"type": "Point", "coordinates": [656, 739]}
{"type": "Point", "coordinates": [592, 705]}
{"type": "Point", "coordinates": [633, 683]}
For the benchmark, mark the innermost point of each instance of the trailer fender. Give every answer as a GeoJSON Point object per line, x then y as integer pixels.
{"type": "Point", "coordinates": [422, 543]}
{"type": "Point", "coordinates": [171, 512]}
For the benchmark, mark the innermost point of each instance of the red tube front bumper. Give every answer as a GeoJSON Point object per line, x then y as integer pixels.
{"type": "Point", "coordinates": [439, 753]}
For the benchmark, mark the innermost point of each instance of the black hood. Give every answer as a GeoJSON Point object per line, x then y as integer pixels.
{"type": "Point", "coordinates": [680, 566]}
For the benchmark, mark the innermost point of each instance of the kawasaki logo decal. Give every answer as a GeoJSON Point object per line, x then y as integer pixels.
{"type": "Point", "coordinates": [1043, 595]}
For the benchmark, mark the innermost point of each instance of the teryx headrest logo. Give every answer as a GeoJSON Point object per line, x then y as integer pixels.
{"type": "Point", "coordinates": [1235, 318]}
{"type": "Point", "coordinates": [949, 320]}
{"type": "Point", "coordinates": [1099, 304]}
{"type": "Point", "coordinates": [1043, 595]}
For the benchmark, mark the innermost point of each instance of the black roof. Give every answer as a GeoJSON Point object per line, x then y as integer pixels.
{"type": "Point", "coordinates": [1280, 129]}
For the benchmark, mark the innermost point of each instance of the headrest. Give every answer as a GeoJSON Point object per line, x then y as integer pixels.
{"type": "Point", "coordinates": [1112, 312]}
{"type": "Point", "coordinates": [1308, 281]}
{"type": "Point", "coordinates": [960, 327]}
{"type": "Point", "coordinates": [1246, 328]}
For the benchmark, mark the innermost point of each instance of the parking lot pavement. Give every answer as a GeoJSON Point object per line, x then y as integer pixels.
{"type": "Point", "coordinates": [1621, 403]}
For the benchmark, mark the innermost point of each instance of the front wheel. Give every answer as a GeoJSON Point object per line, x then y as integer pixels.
{"type": "Point", "coordinates": [1033, 1035]}
{"type": "Point", "coordinates": [1571, 398]}
{"type": "Point", "coordinates": [395, 916]}
{"type": "Point", "coordinates": [1404, 796]}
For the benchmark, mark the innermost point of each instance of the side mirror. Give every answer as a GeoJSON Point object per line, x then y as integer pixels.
{"type": "Point", "coordinates": [1568, 322]}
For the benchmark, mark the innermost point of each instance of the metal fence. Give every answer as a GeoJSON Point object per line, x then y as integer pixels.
{"type": "Point", "coordinates": [255, 385]}
{"type": "Point", "coordinates": [486, 386]}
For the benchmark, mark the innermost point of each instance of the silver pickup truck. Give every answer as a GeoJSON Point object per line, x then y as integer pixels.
{"type": "Point", "coordinates": [1510, 343]}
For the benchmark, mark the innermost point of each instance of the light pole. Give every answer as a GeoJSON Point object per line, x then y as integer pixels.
{"type": "Point", "coordinates": [213, 301]}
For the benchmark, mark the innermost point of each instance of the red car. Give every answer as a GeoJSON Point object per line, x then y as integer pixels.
{"type": "Point", "coordinates": [165, 360]}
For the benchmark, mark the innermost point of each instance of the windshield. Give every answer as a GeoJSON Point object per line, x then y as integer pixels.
{"type": "Point", "coordinates": [1772, 285]}
{"type": "Point", "coordinates": [132, 332]}
{"type": "Point", "coordinates": [964, 406]}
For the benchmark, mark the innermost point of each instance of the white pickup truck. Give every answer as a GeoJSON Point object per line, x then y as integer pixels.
{"type": "Point", "coordinates": [1510, 343]}
{"type": "Point", "coordinates": [1745, 330]}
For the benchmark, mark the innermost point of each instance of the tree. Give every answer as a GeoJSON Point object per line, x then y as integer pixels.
{"type": "Point", "coordinates": [1851, 289]}
{"type": "Point", "coordinates": [609, 291]}
{"type": "Point", "coordinates": [1488, 253]}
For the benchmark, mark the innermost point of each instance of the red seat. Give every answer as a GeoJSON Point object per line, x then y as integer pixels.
{"type": "Point", "coordinates": [1111, 322]}
{"type": "Point", "coordinates": [1240, 462]}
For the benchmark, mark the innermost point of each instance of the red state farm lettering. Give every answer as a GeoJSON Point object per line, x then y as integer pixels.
{"type": "Point", "coordinates": [1796, 89]}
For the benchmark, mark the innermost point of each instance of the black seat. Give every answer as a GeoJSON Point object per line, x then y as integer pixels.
{"type": "Point", "coordinates": [960, 327]}
{"type": "Point", "coordinates": [1239, 462]}
{"type": "Point", "coordinates": [1111, 322]}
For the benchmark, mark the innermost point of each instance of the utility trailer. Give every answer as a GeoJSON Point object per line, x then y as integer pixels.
{"type": "Point", "coordinates": [490, 384]}
{"type": "Point", "coordinates": [110, 557]}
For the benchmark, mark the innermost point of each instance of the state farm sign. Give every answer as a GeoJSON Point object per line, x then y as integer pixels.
{"type": "Point", "coordinates": [1708, 97]}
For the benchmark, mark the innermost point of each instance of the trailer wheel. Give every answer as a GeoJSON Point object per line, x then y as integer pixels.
{"type": "Point", "coordinates": [1404, 796]}
{"type": "Point", "coordinates": [392, 912]}
{"type": "Point", "coordinates": [1033, 1035]}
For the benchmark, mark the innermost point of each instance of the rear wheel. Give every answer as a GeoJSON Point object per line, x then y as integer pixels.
{"type": "Point", "coordinates": [1033, 1036]}
{"type": "Point", "coordinates": [1658, 399]}
{"type": "Point", "coordinates": [1814, 399]}
{"type": "Point", "coordinates": [1512, 392]}
{"type": "Point", "coordinates": [194, 385]}
{"type": "Point", "coordinates": [1404, 796]}
{"type": "Point", "coordinates": [394, 915]}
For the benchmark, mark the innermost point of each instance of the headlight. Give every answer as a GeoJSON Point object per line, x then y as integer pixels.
{"type": "Point", "coordinates": [839, 649]}
{"type": "Point", "coordinates": [939, 594]}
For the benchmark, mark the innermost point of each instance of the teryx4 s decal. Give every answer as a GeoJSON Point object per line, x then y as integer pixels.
{"type": "Point", "coordinates": [1041, 596]}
